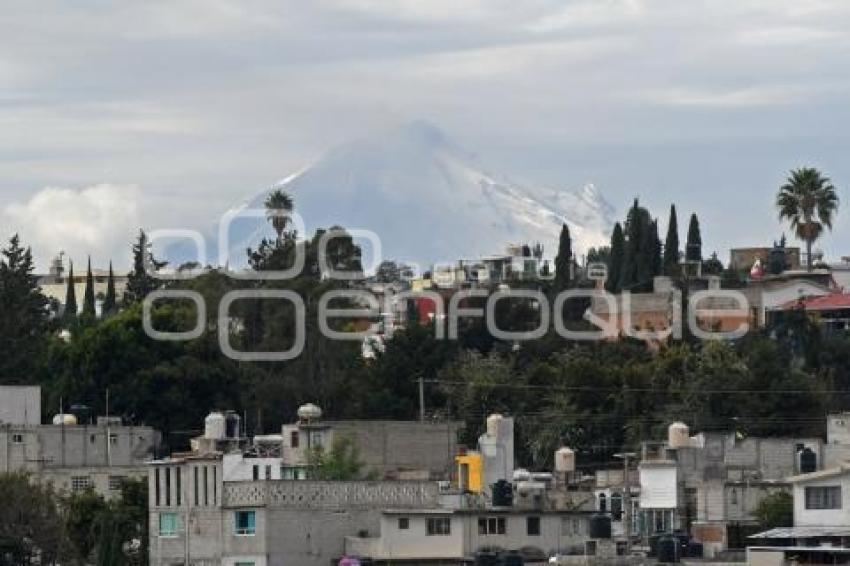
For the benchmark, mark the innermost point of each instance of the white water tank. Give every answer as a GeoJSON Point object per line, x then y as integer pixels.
{"type": "Point", "coordinates": [214, 426]}
{"type": "Point", "coordinates": [494, 425]}
{"type": "Point", "coordinates": [309, 412]}
{"type": "Point", "coordinates": [565, 460]}
{"type": "Point", "coordinates": [521, 474]}
{"type": "Point", "coordinates": [678, 435]}
{"type": "Point", "coordinates": [66, 419]}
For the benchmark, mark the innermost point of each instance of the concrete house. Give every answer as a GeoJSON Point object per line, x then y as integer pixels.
{"type": "Point", "coordinates": [69, 454]}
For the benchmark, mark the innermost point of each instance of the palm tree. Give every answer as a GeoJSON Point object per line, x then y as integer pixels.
{"type": "Point", "coordinates": [278, 207]}
{"type": "Point", "coordinates": [808, 201]}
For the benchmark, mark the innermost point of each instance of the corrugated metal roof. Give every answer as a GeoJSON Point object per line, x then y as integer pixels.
{"type": "Point", "coordinates": [803, 532]}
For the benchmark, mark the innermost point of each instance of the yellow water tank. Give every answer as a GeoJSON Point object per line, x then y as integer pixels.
{"type": "Point", "coordinates": [470, 472]}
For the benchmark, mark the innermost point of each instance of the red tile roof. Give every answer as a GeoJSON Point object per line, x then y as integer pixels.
{"type": "Point", "coordinates": [834, 301]}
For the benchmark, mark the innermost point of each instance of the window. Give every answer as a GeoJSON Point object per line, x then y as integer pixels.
{"type": "Point", "coordinates": [268, 472]}
{"type": "Point", "coordinates": [115, 482]}
{"type": "Point", "coordinates": [617, 506]}
{"type": "Point", "coordinates": [80, 483]}
{"type": "Point", "coordinates": [439, 526]}
{"type": "Point", "coordinates": [403, 523]}
{"type": "Point", "coordinates": [255, 472]}
{"type": "Point", "coordinates": [17, 439]}
{"type": "Point", "coordinates": [195, 483]}
{"type": "Point", "coordinates": [825, 497]}
{"type": "Point", "coordinates": [179, 483]}
{"type": "Point", "coordinates": [156, 485]}
{"type": "Point", "coordinates": [168, 524]}
{"type": "Point", "coordinates": [246, 522]}
{"type": "Point", "coordinates": [215, 485]}
{"type": "Point", "coordinates": [293, 439]}
{"type": "Point", "coordinates": [113, 438]}
{"type": "Point", "coordinates": [491, 526]}
{"type": "Point", "coordinates": [206, 487]}
{"type": "Point", "coordinates": [603, 503]}
{"type": "Point", "coordinates": [168, 487]}
{"type": "Point", "coordinates": [532, 526]}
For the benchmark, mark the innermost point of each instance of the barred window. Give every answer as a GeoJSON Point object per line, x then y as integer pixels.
{"type": "Point", "coordinates": [824, 497]}
{"type": "Point", "coordinates": [115, 482]}
{"type": "Point", "coordinates": [439, 526]}
{"type": "Point", "coordinates": [80, 483]}
{"type": "Point", "coordinates": [491, 526]}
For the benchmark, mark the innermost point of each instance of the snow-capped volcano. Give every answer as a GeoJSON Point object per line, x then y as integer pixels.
{"type": "Point", "coordinates": [430, 201]}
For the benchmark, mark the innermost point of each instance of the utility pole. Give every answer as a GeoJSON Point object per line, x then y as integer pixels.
{"type": "Point", "coordinates": [627, 500]}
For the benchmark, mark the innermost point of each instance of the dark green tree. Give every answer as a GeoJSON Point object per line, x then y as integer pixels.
{"type": "Point", "coordinates": [654, 249]}
{"type": "Point", "coordinates": [89, 310]}
{"type": "Point", "coordinates": [140, 281]}
{"type": "Point", "coordinates": [671, 244]}
{"type": "Point", "coordinates": [31, 527]}
{"type": "Point", "coordinates": [615, 259]}
{"type": "Point", "coordinates": [70, 296]}
{"type": "Point", "coordinates": [693, 247]}
{"type": "Point", "coordinates": [637, 260]}
{"type": "Point", "coordinates": [110, 302]}
{"type": "Point", "coordinates": [83, 511]}
{"type": "Point", "coordinates": [563, 260]}
{"type": "Point", "coordinates": [23, 315]}
{"type": "Point", "coordinates": [775, 510]}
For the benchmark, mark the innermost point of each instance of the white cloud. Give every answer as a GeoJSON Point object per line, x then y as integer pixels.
{"type": "Point", "coordinates": [100, 220]}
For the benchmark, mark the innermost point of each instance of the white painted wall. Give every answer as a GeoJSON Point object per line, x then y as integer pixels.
{"type": "Point", "coordinates": [822, 517]}
{"type": "Point", "coordinates": [238, 468]}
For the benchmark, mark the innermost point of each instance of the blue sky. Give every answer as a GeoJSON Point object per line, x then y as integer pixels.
{"type": "Point", "coordinates": [163, 114]}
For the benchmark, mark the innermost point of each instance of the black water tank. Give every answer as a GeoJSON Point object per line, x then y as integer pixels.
{"type": "Point", "coordinates": [600, 526]}
{"type": "Point", "coordinates": [486, 558]}
{"type": "Point", "coordinates": [503, 494]}
{"type": "Point", "coordinates": [695, 549]}
{"type": "Point", "coordinates": [668, 549]}
{"type": "Point", "coordinates": [808, 461]}
{"type": "Point", "coordinates": [511, 558]}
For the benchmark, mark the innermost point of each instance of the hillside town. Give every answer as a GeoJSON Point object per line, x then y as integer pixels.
{"type": "Point", "coordinates": [432, 484]}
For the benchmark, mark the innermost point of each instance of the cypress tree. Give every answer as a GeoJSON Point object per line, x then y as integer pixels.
{"type": "Point", "coordinates": [139, 281]}
{"type": "Point", "coordinates": [615, 259]}
{"type": "Point", "coordinates": [671, 244]}
{"type": "Point", "coordinates": [89, 311]}
{"type": "Point", "coordinates": [693, 247]}
{"type": "Point", "coordinates": [656, 261]}
{"type": "Point", "coordinates": [70, 295]}
{"type": "Point", "coordinates": [110, 303]}
{"type": "Point", "coordinates": [637, 262]}
{"type": "Point", "coordinates": [564, 260]}
{"type": "Point", "coordinates": [23, 316]}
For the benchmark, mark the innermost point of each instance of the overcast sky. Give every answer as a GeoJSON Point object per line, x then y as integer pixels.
{"type": "Point", "coordinates": [163, 114]}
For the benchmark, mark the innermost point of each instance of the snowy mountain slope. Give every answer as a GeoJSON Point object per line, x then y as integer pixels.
{"type": "Point", "coordinates": [430, 201]}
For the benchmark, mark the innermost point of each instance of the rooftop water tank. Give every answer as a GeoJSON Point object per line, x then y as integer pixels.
{"type": "Point", "coordinates": [232, 425]}
{"type": "Point", "coordinates": [66, 419]}
{"type": "Point", "coordinates": [521, 474]}
{"type": "Point", "coordinates": [214, 426]}
{"type": "Point", "coordinates": [309, 412]}
{"type": "Point", "coordinates": [565, 460]}
{"type": "Point", "coordinates": [494, 425]}
{"type": "Point", "coordinates": [678, 435]}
